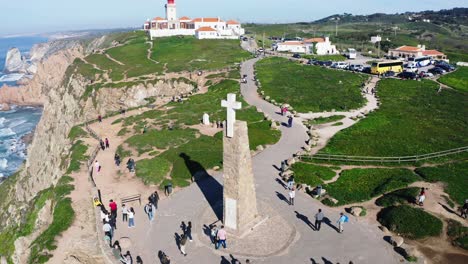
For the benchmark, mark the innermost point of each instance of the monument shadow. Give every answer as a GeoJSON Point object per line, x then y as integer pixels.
{"type": "Point", "coordinates": [210, 187]}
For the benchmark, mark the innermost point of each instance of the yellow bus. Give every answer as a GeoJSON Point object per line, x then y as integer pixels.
{"type": "Point", "coordinates": [383, 67]}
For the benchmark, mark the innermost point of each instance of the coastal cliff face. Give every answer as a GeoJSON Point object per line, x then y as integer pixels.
{"type": "Point", "coordinates": [49, 75]}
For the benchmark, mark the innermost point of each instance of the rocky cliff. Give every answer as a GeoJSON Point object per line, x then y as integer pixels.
{"type": "Point", "coordinates": [14, 62]}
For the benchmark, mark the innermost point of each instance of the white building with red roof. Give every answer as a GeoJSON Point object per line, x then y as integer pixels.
{"type": "Point", "coordinates": [201, 28]}
{"type": "Point", "coordinates": [319, 46]}
{"type": "Point", "coordinates": [414, 52]}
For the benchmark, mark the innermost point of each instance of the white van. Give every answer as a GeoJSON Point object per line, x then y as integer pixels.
{"type": "Point", "coordinates": [411, 67]}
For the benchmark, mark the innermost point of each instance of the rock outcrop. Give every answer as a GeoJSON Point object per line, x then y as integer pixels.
{"type": "Point", "coordinates": [14, 62]}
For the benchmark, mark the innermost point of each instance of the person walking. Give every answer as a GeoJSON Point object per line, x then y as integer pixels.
{"type": "Point", "coordinates": [108, 232]}
{"type": "Point", "coordinates": [113, 208]}
{"type": "Point", "coordinates": [102, 144]}
{"type": "Point", "coordinates": [318, 219]}
{"type": "Point", "coordinates": [154, 198]}
{"type": "Point", "coordinates": [343, 219]}
{"type": "Point", "coordinates": [188, 231]}
{"type": "Point", "coordinates": [99, 118]}
{"type": "Point", "coordinates": [124, 213]}
{"type": "Point", "coordinates": [213, 233]}
{"type": "Point", "coordinates": [464, 209]}
{"type": "Point", "coordinates": [139, 260]}
{"type": "Point", "coordinates": [128, 259]}
{"type": "Point", "coordinates": [113, 222]}
{"type": "Point", "coordinates": [117, 159]}
{"type": "Point", "coordinates": [290, 121]}
{"type": "Point", "coordinates": [97, 167]}
{"type": "Point", "coordinates": [221, 236]}
{"type": "Point", "coordinates": [149, 211]}
{"type": "Point", "coordinates": [422, 197]}
{"type": "Point", "coordinates": [182, 243]}
{"type": "Point", "coordinates": [131, 218]}
{"type": "Point", "coordinates": [290, 184]}
{"type": "Point", "coordinates": [292, 195]}
{"type": "Point", "coordinates": [107, 142]}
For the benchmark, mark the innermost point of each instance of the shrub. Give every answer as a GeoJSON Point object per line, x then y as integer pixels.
{"type": "Point", "coordinates": [413, 223]}
{"type": "Point", "coordinates": [77, 156]}
{"type": "Point", "coordinates": [76, 132]}
{"type": "Point", "coordinates": [398, 197]}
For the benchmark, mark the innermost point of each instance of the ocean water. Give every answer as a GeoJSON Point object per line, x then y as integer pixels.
{"type": "Point", "coordinates": [19, 121]}
{"type": "Point", "coordinates": [14, 124]}
{"type": "Point", "coordinates": [24, 44]}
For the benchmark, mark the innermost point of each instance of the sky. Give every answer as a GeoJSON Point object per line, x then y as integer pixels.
{"type": "Point", "coordinates": [40, 16]}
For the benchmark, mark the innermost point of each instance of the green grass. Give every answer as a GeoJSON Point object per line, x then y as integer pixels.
{"type": "Point", "coordinates": [409, 222]}
{"type": "Point", "coordinates": [63, 217]}
{"type": "Point", "coordinates": [122, 152]}
{"type": "Point", "coordinates": [457, 233]}
{"type": "Point", "coordinates": [76, 132]}
{"type": "Point", "coordinates": [359, 185]}
{"type": "Point", "coordinates": [402, 196]}
{"type": "Point", "coordinates": [324, 120]}
{"type": "Point", "coordinates": [160, 139]}
{"type": "Point", "coordinates": [312, 174]}
{"type": "Point", "coordinates": [454, 177]}
{"type": "Point", "coordinates": [457, 79]}
{"type": "Point", "coordinates": [309, 88]}
{"type": "Point", "coordinates": [188, 53]}
{"type": "Point", "coordinates": [78, 156]}
{"type": "Point", "coordinates": [413, 119]}
{"type": "Point", "coordinates": [152, 171]}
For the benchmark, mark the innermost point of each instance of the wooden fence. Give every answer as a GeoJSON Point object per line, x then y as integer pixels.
{"type": "Point", "coordinates": [416, 158]}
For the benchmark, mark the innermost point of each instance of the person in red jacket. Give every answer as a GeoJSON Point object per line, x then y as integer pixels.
{"type": "Point", "coordinates": [113, 208]}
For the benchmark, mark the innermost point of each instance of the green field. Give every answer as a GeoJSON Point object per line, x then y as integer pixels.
{"type": "Point", "coordinates": [453, 175]}
{"type": "Point", "coordinates": [171, 54]}
{"type": "Point", "coordinates": [312, 174]}
{"type": "Point", "coordinates": [413, 119]}
{"type": "Point", "coordinates": [413, 223]}
{"type": "Point", "coordinates": [324, 120]}
{"type": "Point", "coordinates": [359, 185]}
{"type": "Point", "coordinates": [185, 149]}
{"type": "Point", "coordinates": [190, 54]}
{"type": "Point", "coordinates": [309, 88]}
{"type": "Point", "coordinates": [457, 79]}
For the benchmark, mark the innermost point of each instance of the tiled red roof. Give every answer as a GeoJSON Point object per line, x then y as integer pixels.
{"type": "Point", "coordinates": [432, 52]}
{"type": "Point", "coordinates": [206, 29]}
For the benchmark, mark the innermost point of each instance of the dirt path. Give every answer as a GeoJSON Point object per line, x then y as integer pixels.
{"type": "Point", "coordinates": [149, 51]}
{"type": "Point", "coordinates": [112, 59]}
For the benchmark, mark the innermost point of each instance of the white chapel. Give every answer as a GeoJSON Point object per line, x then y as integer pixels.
{"type": "Point", "coordinates": [201, 28]}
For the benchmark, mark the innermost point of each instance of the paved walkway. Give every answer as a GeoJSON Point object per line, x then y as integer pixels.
{"type": "Point", "coordinates": [361, 241]}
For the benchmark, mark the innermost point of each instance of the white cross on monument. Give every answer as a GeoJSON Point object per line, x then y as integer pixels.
{"type": "Point", "coordinates": [231, 106]}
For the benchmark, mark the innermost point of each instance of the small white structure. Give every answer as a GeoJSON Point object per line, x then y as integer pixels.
{"type": "Point", "coordinates": [415, 52]}
{"type": "Point", "coordinates": [352, 53]}
{"type": "Point", "coordinates": [375, 39]}
{"type": "Point", "coordinates": [202, 28]}
{"type": "Point", "coordinates": [206, 119]}
{"type": "Point", "coordinates": [319, 46]}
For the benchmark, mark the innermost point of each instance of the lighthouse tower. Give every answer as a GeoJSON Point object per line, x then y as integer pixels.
{"type": "Point", "coordinates": [171, 13]}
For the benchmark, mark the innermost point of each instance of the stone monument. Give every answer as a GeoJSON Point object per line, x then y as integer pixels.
{"type": "Point", "coordinates": [206, 119]}
{"type": "Point", "coordinates": [239, 197]}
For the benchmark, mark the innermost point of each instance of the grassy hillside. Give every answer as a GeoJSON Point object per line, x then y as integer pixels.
{"type": "Point", "coordinates": [309, 88]}
{"type": "Point", "coordinates": [457, 79]}
{"type": "Point", "coordinates": [412, 119]}
{"type": "Point", "coordinates": [447, 31]}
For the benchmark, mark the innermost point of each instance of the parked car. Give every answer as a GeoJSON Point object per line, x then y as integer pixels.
{"type": "Point", "coordinates": [327, 63]}
{"type": "Point", "coordinates": [340, 65]}
{"type": "Point", "coordinates": [366, 70]}
{"type": "Point", "coordinates": [389, 74]}
{"type": "Point", "coordinates": [311, 62]}
{"type": "Point", "coordinates": [411, 68]}
{"type": "Point", "coordinates": [446, 67]}
{"type": "Point", "coordinates": [355, 67]}
{"type": "Point", "coordinates": [425, 74]}
{"type": "Point", "coordinates": [260, 50]}
{"type": "Point", "coordinates": [437, 70]}
{"type": "Point", "coordinates": [407, 75]}
{"type": "Point", "coordinates": [296, 55]}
